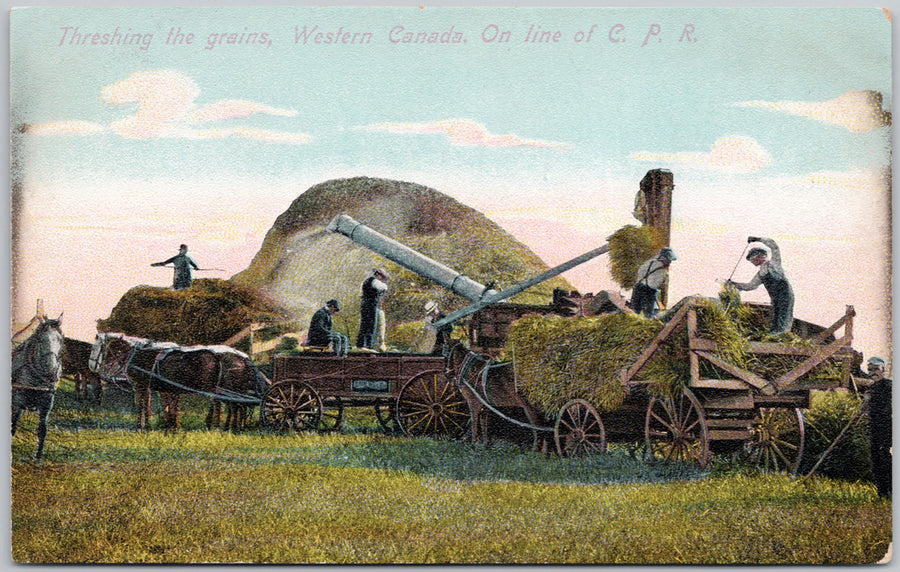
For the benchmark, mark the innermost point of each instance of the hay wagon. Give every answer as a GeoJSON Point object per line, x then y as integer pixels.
{"type": "Point", "coordinates": [410, 392]}
{"type": "Point", "coordinates": [721, 406]}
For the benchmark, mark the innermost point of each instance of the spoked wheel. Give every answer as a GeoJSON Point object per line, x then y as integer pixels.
{"type": "Point", "coordinates": [777, 438]}
{"type": "Point", "coordinates": [429, 404]}
{"type": "Point", "coordinates": [675, 428]}
{"type": "Point", "coordinates": [386, 413]}
{"type": "Point", "coordinates": [332, 414]}
{"type": "Point", "coordinates": [579, 430]}
{"type": "Point", "coordinates": [292, 405]}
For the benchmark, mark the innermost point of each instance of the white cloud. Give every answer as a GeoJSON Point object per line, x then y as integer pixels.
{"type": "Point", "coordinates": [856, 111]}
{"type": "Point", "coordinates": [166, 108]}
{"type": "Point", "coordinates": [252, 133]}
{"type": "Point", "coordinates": [732, 153]}
{"type": "Point", "coordinates": [465, 133]}
{"type": "Point", "coordinates": [73, 127]}
{"type": "Point", "coordinates": [234, 108]}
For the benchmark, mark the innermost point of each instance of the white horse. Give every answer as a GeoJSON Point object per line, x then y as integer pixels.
{"type": "Point", "coordinates": [36, 368]}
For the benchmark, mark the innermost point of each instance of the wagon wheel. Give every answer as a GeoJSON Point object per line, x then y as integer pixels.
{"type": "Point", "coordinates": [291, 405]}
{"type": "Point", "coordinates": [777, 439]}
{"type": "Point", "coordinates": [430, 405]}
{"type": "Point", "coordinates": [579, 430]}
{"type": "Point", "coordinates": [386, 413]}
{"type": "Point", "coordinates": [675, 428]}
{"type": "Point", "coordinates": [332, 414]}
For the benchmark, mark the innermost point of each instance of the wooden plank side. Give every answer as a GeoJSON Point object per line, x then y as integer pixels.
{"type": "Point", "coordinates": [741, 400]}
{"type": "Point", "coordinates": [748, 376]}
{"type": "Point", "coordinates": [847, 318]}
{"type": "Point", "coordinates": [629, 372]}
{"type": "Point", "coordinates": [720, 384]}
{"type": "Point", "coordinates": [824, 353]}
{"type": "Point", "coordinates": [728, 435]}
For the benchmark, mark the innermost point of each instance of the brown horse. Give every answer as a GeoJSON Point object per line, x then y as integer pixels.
{"type": "Point", "coordinates": [241, 385]}
{"type": "Point", "coordinates": [76, 356]}
{"type": "Point", "coordinates": [154, 366]}
{"type": "Point", "coordinates": [488, 386]}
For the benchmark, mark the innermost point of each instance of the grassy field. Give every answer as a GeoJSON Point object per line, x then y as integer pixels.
{"type": "Point", "coordinates": [107, 494]}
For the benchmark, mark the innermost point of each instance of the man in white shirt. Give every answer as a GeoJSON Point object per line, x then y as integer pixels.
{"type": "Point", "coordinates": [649, 280]}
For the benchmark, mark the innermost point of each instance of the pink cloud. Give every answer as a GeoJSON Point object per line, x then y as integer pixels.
{"type": "Point", "coordinates": [464, 132]}
{"type": "Point", "coordinates": [856, 111]}
{"type": "Point", "coordinates": [732, 153]}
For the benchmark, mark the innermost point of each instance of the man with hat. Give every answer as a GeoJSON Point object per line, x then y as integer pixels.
{"type": "Point", "coordinates": [772, 276]}
{"type": "Point", "coordinates": [433, 314]}
{"type": "Point", "coordinates": [880, 425]}
{"type": "Point", "coordinates": [651, 276]}
{"type": "Point", "coordinates": [321, 332]}
{"type": "Point", "coordinates": [182, 263]}
{"type": "Point", "coordinates": [373, 290]}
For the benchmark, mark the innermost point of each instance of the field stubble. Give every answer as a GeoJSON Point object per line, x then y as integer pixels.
{"type": "Point", "coordinates": [107, 494]}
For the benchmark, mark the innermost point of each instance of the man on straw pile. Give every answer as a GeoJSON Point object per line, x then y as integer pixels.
{"type": "Point", "coordinates": [772, 276]}
{"type": "Point", "coordinates": [321, 331]}
{"type": "Point", "coordinates": [183, 264]}
{"type": "Point", "coordinates": [651, 276]}
{"type": "Point", "coordinates": [880, 425]}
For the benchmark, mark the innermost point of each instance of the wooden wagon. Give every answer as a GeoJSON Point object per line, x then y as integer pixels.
{"type": "Point", "coordinates": [410, 392]}
{"type": "Point", "coordinates": [737, 409]}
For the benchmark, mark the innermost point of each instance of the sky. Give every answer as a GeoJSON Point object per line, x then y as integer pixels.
{"type": "Point", "coordinates": [138, 129]}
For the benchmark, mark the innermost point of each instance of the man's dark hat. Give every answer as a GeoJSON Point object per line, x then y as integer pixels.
{"type": "Point", "coordinates": [334, 304]}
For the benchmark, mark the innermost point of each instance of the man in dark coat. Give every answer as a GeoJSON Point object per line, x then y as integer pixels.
{"type": "Point", "coordinates": [373, 290]}
{"type": "Point", "coordinates": [772, 276]}
{"type": "Point", "coordinates": [183, 264]}
{"type": "Point", "coordinates": [321, 330]}
{"type": "Point", "coordinates": [442, 337]}
{"type": "Point", "coordinates": [880, 426]}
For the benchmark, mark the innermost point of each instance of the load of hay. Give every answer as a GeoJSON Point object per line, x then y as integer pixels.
{"type": "Point", "coordinates": [558, 359]}
{"type": "Point", "coordinates": [631, 246]}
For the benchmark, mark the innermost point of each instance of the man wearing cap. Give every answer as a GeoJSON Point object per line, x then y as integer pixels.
{"type": "Point", "coordinates": [651, 276]}
{"type": "Point", "coordinates": [880, 426]}
{"type": "Point", "coordinates": [772, 276]}
{"type": "Point", "coordinates": [183, 264]}
{"type": "Point", "coordinates": [373, 290]}
{"type": "Point", "coordinates": [321, 332]}
{"type": "Point", "coordinates": [433, 314]}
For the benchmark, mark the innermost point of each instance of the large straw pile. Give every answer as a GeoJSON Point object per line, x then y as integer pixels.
{"type": "Point", "coordinates": [558, 359]}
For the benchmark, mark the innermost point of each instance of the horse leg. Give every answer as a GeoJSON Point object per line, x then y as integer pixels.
{"type": "Point", "coordinates": [170, 411]}
{"type": "Point", "coordinates": [142, 396]}
{"type": "Point", "coordinates": [42, 432]}
{"type": "Point", "coordinates": [16, 413]}
{"type": "Point", "coordinates": [214, 416]}
{"type": "Point", "coordinates": [98, 389]}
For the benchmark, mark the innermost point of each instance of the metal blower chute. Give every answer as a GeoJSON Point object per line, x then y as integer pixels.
{"type": "Point", "coordinates": [458, 283]}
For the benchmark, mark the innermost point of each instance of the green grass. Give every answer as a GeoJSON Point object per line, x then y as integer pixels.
{"type": "Point", "coordinates": [108, 494]}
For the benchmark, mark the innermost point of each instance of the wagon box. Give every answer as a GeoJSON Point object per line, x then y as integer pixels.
{"type": "Point", "coordinates": [407, 391]}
